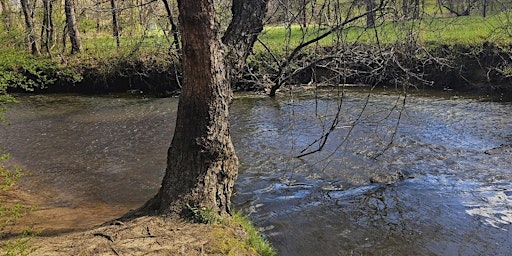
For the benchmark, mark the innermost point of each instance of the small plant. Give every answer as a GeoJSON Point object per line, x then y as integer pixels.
{"type": "Point", "coordinates": [505, 70]}
{"type": "Point", "coordinates": [9, 214]}
{"type": "Point", "coordinates": [254, 238]}
{"type": "Point", "coordinates": [7, 177]}
{"type": "Point", "coordinates": [203, 215]}
{"type": "Point", "coordinates": [20, 246]}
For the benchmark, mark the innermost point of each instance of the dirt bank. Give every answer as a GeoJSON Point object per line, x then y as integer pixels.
{"type": "Point", "coordinates": [148, 236]}
{"type": "Point", "coordinates": [97, 234]}
{"type": "Point", "coordinates": [483, 69]}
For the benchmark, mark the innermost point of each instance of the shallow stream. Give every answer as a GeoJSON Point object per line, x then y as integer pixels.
{"type": "Point", "coordinates": [425, 178]}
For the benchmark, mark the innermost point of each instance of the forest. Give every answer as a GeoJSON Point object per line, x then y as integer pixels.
{"type": "Point", "coordinates": [105, 46]}
{"type": "Point", "coordinates": [358, 115]}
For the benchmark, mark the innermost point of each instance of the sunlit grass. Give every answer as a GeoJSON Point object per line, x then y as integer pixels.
{"type": "Point", "coordinates": [465, 30]}
{"type": "Point", "coordinates": [468, 30]}
{"type": "Point", "coordinates": [432, 29]}
{"type": "Point", "coordinates": [254, 238]}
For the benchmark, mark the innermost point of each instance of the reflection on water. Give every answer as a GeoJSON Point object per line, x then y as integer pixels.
{"type": "Point", "coordinates": [455, 199]}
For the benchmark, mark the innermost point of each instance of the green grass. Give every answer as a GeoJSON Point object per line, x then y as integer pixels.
{"type": "Point", "coordinates": [233, 235]}
{"type": "Point", "coordinates": [466, 30]}
{"type": "Point", "coordinates": [435, 28]}
{"type": "Point", "coordinates": [100, 53]}
{"type": "Point", "coordinates": [254, 239]}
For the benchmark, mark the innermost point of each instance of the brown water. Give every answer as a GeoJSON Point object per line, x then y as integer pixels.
{"type": "Point", "coordinates": [110, 151]}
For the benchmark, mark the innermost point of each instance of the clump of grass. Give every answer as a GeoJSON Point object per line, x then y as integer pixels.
{"type": "Point", "coordinates": [254, 238]}
{"type": "Point", "coordinates": [20, 246]}
{"type": "Point", "coordinates": [9, 214]}
{"type": "Point", "coordinates": [234, 235]}
{"type": "Point", "coordinates": [203, 215]}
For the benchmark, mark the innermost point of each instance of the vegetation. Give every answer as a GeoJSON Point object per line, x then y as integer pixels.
{"type": "Point", "coordinates": [398, 43]}
{"type": "Point", "coordinates": [10, 213]}
{"type": "Point", "coordinates": [149, 48]}
{"type": "Point", "coordinates": [228, 245]}
{"type": "Point", "coordinates": [254, 240]}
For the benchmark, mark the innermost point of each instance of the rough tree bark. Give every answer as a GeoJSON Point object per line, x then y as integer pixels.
{"type": "Point", "coordinates": [201, 161]}
{"type": "Point", "coordinates": [28, 13]}
{"type": "Point", "coordinates": [73, 32]}
{"type": "Point", "coordinates": [242, 33]}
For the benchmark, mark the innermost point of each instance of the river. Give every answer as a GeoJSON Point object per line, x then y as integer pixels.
{"type": "Point", "coordinates": [422, 174]}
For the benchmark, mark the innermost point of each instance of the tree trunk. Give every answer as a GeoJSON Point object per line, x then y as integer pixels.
{"type": "Point", "coordinates": [370, 16]}
{"type": "Point", "coordinates": [97, 16]}
{"type": "Point", "coordinates": [201, 161]}
{"type": "Point", "coordinates": [304, 13]}
{"type": "Point", "coordinates": [47, 28]}
{"type": "Point", "coordinates": [485, 4]}
{"type": "Point", "coordinates": [242, 33]}
{"type": "Point", "coordinates": [73, 32]}
{"type": "Point", "coordinates": [115, 26]}
{"type": "Point", "coordinates": [28, 13]}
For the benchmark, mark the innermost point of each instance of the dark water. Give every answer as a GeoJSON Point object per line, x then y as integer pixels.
{"type": "Point", "coordinates": [455, 199]}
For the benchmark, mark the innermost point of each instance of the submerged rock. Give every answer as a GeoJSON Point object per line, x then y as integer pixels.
{"type": "Point", "coordinates": [389, 178]}
{"type": "Point", "coordinates": [501, 149]}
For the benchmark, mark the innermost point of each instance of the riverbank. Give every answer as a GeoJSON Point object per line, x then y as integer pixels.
{"type": "Point", "coordinates": [150, 235]}
{"type": "Point", "coordinates": [56, 234]}
{"type": "Point", "coordinates": [483, 69]}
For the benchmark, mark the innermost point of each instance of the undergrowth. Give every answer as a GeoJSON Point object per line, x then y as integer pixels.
{"type": "Point", "coordinates": [252, 240]}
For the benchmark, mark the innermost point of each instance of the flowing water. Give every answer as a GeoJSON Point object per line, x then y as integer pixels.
{"type": "Point", "coordinates": [427, 177]}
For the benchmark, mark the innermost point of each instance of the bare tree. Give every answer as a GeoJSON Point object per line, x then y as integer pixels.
{"type": "Point", "coordinates": [174, 27]}
{"type": "Point", "coordinates": [28, 13]}
{"type": "Point", "coordinates": [73, 32]}
{"type": "Point", "coordinates": [47, 28]}
{"type": "Point", "coordinates": [459, 7]}
{"type": "Point", "coordinates": [282, 77]}
{"type": "Point", "coordinates": [370, 13]}
{"type": "Point", "coordinates": [115, 25]}
{"type": "Point", "coordinates": [411, 8]}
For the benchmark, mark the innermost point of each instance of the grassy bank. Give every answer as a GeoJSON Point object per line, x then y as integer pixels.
{"type": "Point", "coordinates": [474, 52]}
{"type": "Point", "coordinates": [480, 68]}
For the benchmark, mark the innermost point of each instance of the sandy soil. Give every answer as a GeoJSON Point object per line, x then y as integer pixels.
{"type": "Point", "coordinates": [78, 231]}
{"type": "Point", "coordinates": [147, 236]}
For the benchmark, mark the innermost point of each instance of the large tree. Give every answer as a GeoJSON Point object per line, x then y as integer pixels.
{"type": "Point", "coordinates": [201, 161]}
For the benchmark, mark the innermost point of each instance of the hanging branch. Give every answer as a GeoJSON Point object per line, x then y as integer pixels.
{"type": "Point", "coordinates": [174, 29]}
{"type": "Point", "coordinates": [278, 82]}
